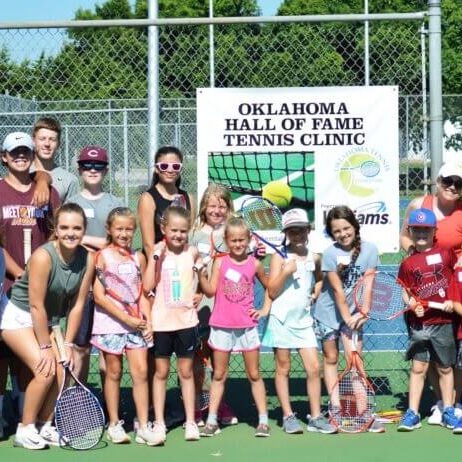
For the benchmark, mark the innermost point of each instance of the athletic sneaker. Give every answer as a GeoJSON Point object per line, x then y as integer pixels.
{"type": "Point", "coordinates": [291, 425]}
{"type": "Point", "coordinates": [410, 421]}
{"type": "Point", "coordinates": [458, 410]}
{"type": "Point", "coordinates": [117, 434]}
{"type": "Point", "coordinates": [458, 428]}
{"type": "Point", "coordinates": [449, 419]}
{"type": "Point", "coordinates": [145, 435]}
{"type": "Point", "coordinates": [262, 431]}
{"type": "Point", "coordinates": [376, 427]}
{"type": "Point", "coordinates": [199, 418]}
{"type": "Point", "coordinates": [49, 433]}
{"type": "Point", "coordinates": [191, 431]}
{"type": "Point", "coordinates": [436, 414]}
{"type": "Point", "coordinates": [320, 425]}
{"type": "Point", "coordinates": [160, 433]}
{"type": "Point", "coordinates": [210, 430]}
{"type": "Point", "coordinates": [226, 415]}
{"type": "Point", "coordinates": [27, 436]}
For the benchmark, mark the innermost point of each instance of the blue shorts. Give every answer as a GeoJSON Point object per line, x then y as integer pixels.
{"type": "Point", "coordinates": [116, 344]}
{"type": "Point", "coordinates": [327, 333]}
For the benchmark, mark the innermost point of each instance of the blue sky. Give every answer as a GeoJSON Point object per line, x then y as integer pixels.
{"type": "Point", "coordinates": [43, 10]}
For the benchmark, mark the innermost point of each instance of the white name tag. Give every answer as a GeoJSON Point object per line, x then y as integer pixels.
{"type": "Point", "coordinates": [233, 275]}
{"type": "Point", "coordinates": [89, 213]}
{"type": "Point", "coordinates": [459, 276]}
{"type": "Point", "coordinates": [125, 268]}
{"type": "Point", "coordinates": [169, 264]}
{"type": "Point", "coordinates": [433, 259]}
{"type": "Point", "coordinates": [343, 259]}
{"type": "Point", "coordinates": [203, 248]}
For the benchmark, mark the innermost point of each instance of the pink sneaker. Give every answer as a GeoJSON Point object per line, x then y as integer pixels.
{"type": "Point", "coordinates": [226, 415]}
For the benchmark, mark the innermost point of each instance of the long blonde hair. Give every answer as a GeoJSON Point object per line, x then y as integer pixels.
{"type": "Point", "coordinates": [213, 190]}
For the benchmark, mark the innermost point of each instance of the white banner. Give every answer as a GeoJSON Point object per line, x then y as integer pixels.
{"type": "Point", "coordinates": [344, 142]}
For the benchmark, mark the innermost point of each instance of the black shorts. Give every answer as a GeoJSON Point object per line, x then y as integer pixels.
{"type": "Point", "coordinates": [181, 342]}
{"type": "Point", "coordinates": [433, 343]}
{"type": "Point", "coordinates": [83, 335]}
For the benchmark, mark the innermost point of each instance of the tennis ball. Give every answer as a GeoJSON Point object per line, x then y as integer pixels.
{"type": "Point", "coordinates": [278, 192]}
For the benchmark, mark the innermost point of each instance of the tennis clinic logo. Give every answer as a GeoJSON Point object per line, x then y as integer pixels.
{"type": "Point", "coordinates": [360, 171]}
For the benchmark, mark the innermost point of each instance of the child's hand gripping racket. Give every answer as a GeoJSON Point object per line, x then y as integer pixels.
{"type": "Point", "coordinates": [352, 399]}
{"type": "Point", "coordinates": [378, 295]}
{"type": "Point", "coordinates": [79, 417]}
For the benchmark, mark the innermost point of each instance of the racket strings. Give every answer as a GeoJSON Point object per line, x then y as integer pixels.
{"type": "Point", "coordinates": [352, 403]}
{"type": "Point", "coordinates": [380, 296]}
{"type": "Point", "coordinates": [79, 418]}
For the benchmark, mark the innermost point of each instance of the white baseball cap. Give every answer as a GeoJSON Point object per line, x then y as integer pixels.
{"type": "Point", "coordinates": [295, 218]}
{"type": "Point", "coordinates": [16, 139]}
{"type": "Point", "coordinates": [450, 169]}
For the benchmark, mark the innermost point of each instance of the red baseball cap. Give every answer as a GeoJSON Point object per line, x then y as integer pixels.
{"type": "Point", "coordinates": [93, 154]}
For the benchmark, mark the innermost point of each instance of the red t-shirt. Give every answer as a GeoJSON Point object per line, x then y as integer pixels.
{"type": "Point", "coordinates": [428, 275]}
{"type": "Point", "coordinates": [449, 229]}
{"type": "Point", "coordinates": [455, 294]}
{"type": "Point", "coordinates": [17, 213]}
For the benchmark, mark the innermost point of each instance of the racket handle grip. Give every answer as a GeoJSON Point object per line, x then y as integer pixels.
{"type": "Point", "coordinates": [436, 305]}
{"type": "Point", "coordinates": [59, 339]}
{"type": "Point", "coordinates": [205, 261]}
{"type": "Point", "coordinates": [157, 254]}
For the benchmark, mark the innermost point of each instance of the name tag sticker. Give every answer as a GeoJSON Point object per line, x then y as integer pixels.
{"type": "Point", "coordinates": [89, 213]}
{"type": "Point", "coordinates": [343, 259]}
{"type": "Point", "coordinates": [233, 275]}
{"type": "Point", "coordinates": [459, 276]}
{"type": "Point", "coordinates": [203, 248]}
{"type": "Point", "coordinates": [125, 268]}
{"type": "Point", "coordinates": [433, 259]}
{"type": "Point", "coordinates": [168, 264]}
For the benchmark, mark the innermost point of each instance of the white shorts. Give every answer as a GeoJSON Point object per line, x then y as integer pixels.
{"type": "Point", "coordinates": [223, 339]}
{"type": "Point", "coordinates": [12, 317]}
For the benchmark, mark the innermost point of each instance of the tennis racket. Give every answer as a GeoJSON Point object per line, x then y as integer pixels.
{"type": "Point", "coordinates": [352, 399]}
{"type": "Point", "coordinates": [217, 248]}
{"type": "Point", "coordinates": [78, 414]}
{"type": "Point", "coordinates": [125, 286]}
{"type": "Point", "coordinates": [378, 295]}
{"type": "Point", "coordinates": [27, 242]}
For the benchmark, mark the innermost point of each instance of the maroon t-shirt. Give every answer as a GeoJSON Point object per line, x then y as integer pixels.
{"type": "Point", "coordinates": [17, 213]}
{"type": "Point", "coordinates": [428, 275]}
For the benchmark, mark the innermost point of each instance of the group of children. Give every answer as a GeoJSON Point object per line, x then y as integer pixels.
{"type": "Point", "coordinates": [182, 303]}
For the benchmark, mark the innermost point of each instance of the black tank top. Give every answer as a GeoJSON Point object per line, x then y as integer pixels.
{"type": "Point", "coordinates": [161, 204]}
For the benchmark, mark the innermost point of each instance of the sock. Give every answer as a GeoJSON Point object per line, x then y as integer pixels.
{"type": "Point", "coordinates": [263, 419]}
{"type": "Point", "coordinates": [212, 419]}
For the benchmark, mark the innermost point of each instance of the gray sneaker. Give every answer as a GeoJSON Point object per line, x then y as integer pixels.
{"type": "Point", "coordinates": [376, 427]}
{"type": "Point", "coordinates": [321, 425]}
{"type": "Point", "coordinates": [262, 431]}
{"type": "Point", "coordinates": [291, 425]}
{"type": "Point", "coordinates": [210, 430]}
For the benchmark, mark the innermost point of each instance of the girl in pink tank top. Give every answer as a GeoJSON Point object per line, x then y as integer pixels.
{"type": "Point", "coordinates": [121, 327]}
{"type": "Point", "coordinates": [232, 327]}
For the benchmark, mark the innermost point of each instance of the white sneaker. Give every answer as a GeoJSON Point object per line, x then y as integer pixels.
{"type": "Point", "coordinates": [27, 436]}
{"type": "Point", "coordinates": [436, 416]}
{"type": "Point", "coordinates": [458, 410]}
{"type": "Point", "coordinates": [116, 433]}
{"type": "Point", "coordinates": [49, 433]}
{"type": "Point", "coordinates": [160, 433]}
{"type": "Point", "coordinates": [191, 431]}
{"type": "Point", "coordinates": [146, 435]}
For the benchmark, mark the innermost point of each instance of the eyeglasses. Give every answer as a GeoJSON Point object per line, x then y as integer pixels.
{"type": "Point", "coordinates": [448, 181]}
{"type": "Point", "coordinates": [98, 166]}
{"type": "Point", "coordinates": [172, 166]}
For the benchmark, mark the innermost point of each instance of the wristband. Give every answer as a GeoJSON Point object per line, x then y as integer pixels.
{"type": "Point", "coordinates": [45, 347]}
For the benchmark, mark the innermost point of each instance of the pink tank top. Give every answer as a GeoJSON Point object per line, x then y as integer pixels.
{"type": "Point", "coordinates": [235, 295]}
{"type": "Point", "coordinates": [127, 268]}
{"type": "Point", "coordinates": [173, 307]}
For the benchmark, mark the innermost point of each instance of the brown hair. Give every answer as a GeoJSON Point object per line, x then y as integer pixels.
{"type": "Point", "coordinates": [69, 207]}
{"type": "Point", "coordinates": [49, 124]}
{"type": "Point", "coordinates": [177, 211]}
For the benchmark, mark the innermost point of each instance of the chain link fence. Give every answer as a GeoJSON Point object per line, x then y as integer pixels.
{"type": "Point", "coordinates": [94, 81]}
